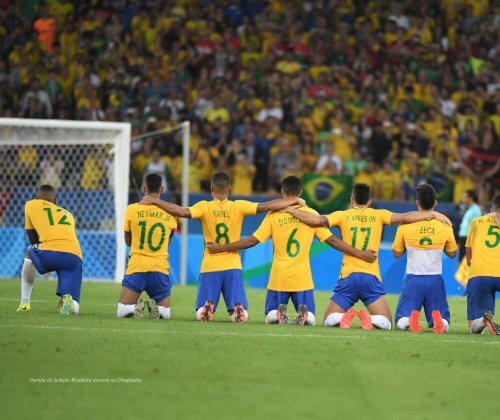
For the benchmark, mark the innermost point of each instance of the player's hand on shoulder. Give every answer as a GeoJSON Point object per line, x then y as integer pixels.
{"type": "Point", "coordinates": [147, 200]}
{"type": "Point", "coordinates": [286, 209]}
{"type": "Point", "coordinates": [301, 202]}
{"type": "Point", "coordinates": [369, 255]}
{"type": "Point", "coordinates": [442, 218]}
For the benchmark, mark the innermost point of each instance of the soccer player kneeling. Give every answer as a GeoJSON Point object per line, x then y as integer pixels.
{"type": "Point", "coordinates": [290, 276]}
{"type": "Point", "coordinates": [54, 247]}
{"type": "Point", "coordinates": [424, 286]}
{"type": "Point", "coordinates": [482, 250]}
{"type": "Point", "coordinates": [148, 230]}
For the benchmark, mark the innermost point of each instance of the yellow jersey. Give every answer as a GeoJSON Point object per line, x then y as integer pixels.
{"type": "Point", "coordinates": [292, 240]}
{"type": "Point", "coordinates": [484, 241]}
{"type": "Point", "coordinates": [221, 223]}
{"type": "Point", "coordinates": [424, 242]}
{"type": "Point", "coordinates": [151, 228]}
{"type": "Point", "coordinates": [54, 225]}
{"type": "Point", "coordinates": [362, 229]}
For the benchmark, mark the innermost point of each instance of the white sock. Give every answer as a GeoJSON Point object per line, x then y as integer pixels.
{"type": "Point", "coordinates": [403, 324]}
{"type": "Point", "coordinates": [124, 311]}
{"type": "Point", "coordinates": [76, 307]}
{"type": "Point", "coordinates": [246, 315]}
{"type": "Point", "coordinates": [164, 312]}
{"type": "Point", "coordinates": [446, 325]}
{"type": "Point", "coordinates": [272, 317]}
{"type": "Point", "coordinates": [477, 326]}
{"type": "Point", "coordinates": [333, 320]}
{"type": "Point", "coordinates": [198, 312]}
{"type": "Point", "coordinates": [28, 274]}
{"type": "Point", "coordinates": [381, 322]}
{"type": "Point", "coordinates": [311, 319]}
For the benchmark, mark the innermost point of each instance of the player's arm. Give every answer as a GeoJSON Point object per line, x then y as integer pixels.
{"type": "Point", "coordinates": [246, 243]}
{"type": "Point", "coordinates": [279, 204]}
{"type": "Point", "coordinates": [398, 254]}
{"type": "Point", "coordinates": [170, 208]}
{"type": "Point", "coordinates": [33, 236]}
{"type": "Point", "coordinates": [418, 216]}
{"type": "Point", "coordinates": [450, 254]}
{"type": "Point", "coordinates": [128, 238]}
{"type": "Point", "coordinates": [336, 243]}
{"type": "Point", "coordinates": [310, 219]}
{"type": "Point", "coordinates": [398, 246]}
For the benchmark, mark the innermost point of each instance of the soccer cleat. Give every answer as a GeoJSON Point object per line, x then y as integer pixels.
{"type": "Point", "coordinates": [347, 318]}
{"type": "Point", "coordinates": [301, 316]}
{"type": "Point", "coordinates": [239, 313]}
{"type": "Point", "coordinates": [154, 312]}
{"type": "Point", "coordinates": [208, 311]}
{"type": "Point", "coordinates": [282, 315]}
{"type": "Point", "coordinates": [24, 307]}
{"type": "Point", "coordinates": [139, 309]}
{"type": "Point", "coordinates": [414, 322]}
{"type": "Point", "coordinates": [366, 320]}
{"type": "Point", "coordinates": [490, 322]}
{"type": "Point", "coordinates": [438, 323]}
{"type": "Point", "coordinates": [67, 305]}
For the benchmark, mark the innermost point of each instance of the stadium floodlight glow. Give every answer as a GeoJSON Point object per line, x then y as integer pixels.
{"type": "Point", "coordinates": [88, 163]}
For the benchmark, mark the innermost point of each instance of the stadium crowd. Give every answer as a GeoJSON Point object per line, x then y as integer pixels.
{"type": "Point", "coordinates": [391, 93]}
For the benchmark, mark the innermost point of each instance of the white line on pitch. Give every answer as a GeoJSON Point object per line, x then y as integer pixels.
{"type": "Point", "coordinates": [239, 334]}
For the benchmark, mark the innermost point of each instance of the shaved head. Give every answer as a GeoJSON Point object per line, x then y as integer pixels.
{"type": "Point", "coordinates": [46, 192]}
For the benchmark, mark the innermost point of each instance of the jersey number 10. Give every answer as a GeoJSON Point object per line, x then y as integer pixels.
{"type": "Point", "coordinates": [150, 234]}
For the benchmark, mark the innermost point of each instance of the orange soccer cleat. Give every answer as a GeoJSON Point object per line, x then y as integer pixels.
{"type": "Point", "coordinates": [239, 313]}
{"type": "Point", "coordinates": [366, 320]}
{"type": "Point", "coordinates": [415, 322]}
{"type": "Point", "coordinates": [282, 315]}
{"type": "Point", "coordinates": [346, 320]}
{"type": "Point", "coordinates": [208, 311]}
{"type": "Point", "coordinates": [438, 323]}
{"type": "Point", "coordinates": [490, 322]}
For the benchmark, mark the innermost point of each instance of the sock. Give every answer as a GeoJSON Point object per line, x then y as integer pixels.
{"type": "Point", "coordinates": [446, 325]}
{"type": "Point", "coordinates": [311, 319]}
{"type": "Point", "coordinates": [125, 311]}
{"type": "Point", "coordinates": [272, 317]}
{"type": "Point", "coordinates": [381, 322]}
{"type": "Point", "coordinates": [198, 312]}
{"type": "Point", "coordinates": [246, 315]}
{"type": "Point", "coordinates": [28, 274]}
{"type": "Point", "coordinates": [164, 312]}
{"type": "Point", "coordinates": [333, 320]}
{"type": "Point", "coordinates": [76, 307]}
{"type": "Point", "coordinates": [477, 326]}
{"type": "Point", "coordinates": [403, 323]}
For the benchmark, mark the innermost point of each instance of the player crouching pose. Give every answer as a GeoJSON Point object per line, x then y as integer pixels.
{"type": "Point", "coordinates": [290, 276]}
{"type": "Point", "coordinates": [54, 247]}
{"type": "Point", "coordinates": [424, 286]}
{"type": "Point", "coordinates": [482, 250]}
{"type": "Point", "coordinates": [148, 230]}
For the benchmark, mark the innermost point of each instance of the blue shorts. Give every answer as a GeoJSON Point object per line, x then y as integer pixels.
{"type": "Point", "coordinates": [274, 299]}
{"type": "Point", "coordinates": [357, 286]}
{"type": "Point", "coordinates": [67, 266]}
{"type": "Point", "coordinates": [423, 290]}
{"type": "Point", "coordinates": [480, 293]}
{"type": "Point", "coordinates": [156, 285]}
{"type": "Point", "coordinates": [228, 282]}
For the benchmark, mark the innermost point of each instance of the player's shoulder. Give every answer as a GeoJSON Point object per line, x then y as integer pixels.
{"type": "Point", "coordinates": [307, 209]}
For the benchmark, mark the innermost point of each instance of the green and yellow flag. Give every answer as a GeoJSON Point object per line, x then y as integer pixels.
{"type": "Point", "coordinates": [326, 193]}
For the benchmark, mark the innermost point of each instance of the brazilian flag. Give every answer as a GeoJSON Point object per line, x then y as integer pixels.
{"type": "Point", "coordinates": [326, 193]}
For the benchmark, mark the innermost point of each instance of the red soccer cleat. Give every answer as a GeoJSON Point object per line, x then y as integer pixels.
{"type": "Point", "coordinates": [239, 313]}
{"type": "Point", "coordinates": [366, 320]}
{"type": "Point", "coordinates": [415, 322]}
{"type": "Point", "coordinates": [346, 320]}
{"type": "Point", "coordinates": [208, 311]}
{"type": "Point", "coordinates": [437, 321]}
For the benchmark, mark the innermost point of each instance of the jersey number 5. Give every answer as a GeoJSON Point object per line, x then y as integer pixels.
{"type": "Point", "coordinates": [62, 220]}
{"type": "Point", "coordinates": [491, 232]}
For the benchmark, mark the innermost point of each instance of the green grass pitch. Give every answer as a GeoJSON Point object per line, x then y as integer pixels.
{"type": "Point", "coordinates": [219, 370]}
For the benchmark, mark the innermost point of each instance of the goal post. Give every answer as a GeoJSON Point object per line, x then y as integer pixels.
{"type": "Point", "coordinates": [88, 164]}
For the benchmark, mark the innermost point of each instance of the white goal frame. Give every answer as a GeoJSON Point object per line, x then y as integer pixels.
{"type": "Point", "coordinates": [121, 148]}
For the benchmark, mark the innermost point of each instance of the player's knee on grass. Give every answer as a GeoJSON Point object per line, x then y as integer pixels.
{"type": "Point", "coordinates": [477, 326]}
{"type": "Point", "coordinates": [164, 312]}
{"type": "Point", "coordinates": [272, 317]}
{"type": "Point", "coordinates": [403, 323]}
{"type": "Point", "coordinates": [76, 307]}
{"type": "Point", "coordinates": [381, 322]}
{"type": "Point", "coordinates": [125, 310]}
{"type": "Point", "coordinates": [333, 319]}
{"type": "Point", "coordinates": [311, 319]}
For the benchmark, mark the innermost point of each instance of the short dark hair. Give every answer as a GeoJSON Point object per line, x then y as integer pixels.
{"type": "Point", "coordinates": [472, 194]}
{"type": "Point", "coordinates": [361, 194]}
{"type": "Point", "coordinates": [153, 183]}
{"type": "Point", "coordinates": [291, 185]}
{"type": "Point", "coordinates": [221, 181]}
{"type": "Point", "coordinates": [495, 203]}
{"type": "Point", "coordinates": [426, 196]}
{"type": "Point", "coordinates": [46, 188]}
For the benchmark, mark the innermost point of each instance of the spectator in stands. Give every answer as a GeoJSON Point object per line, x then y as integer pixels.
{"type": "Point", "coordinates": [282, 163]}
{"type": "Point", "coordinates": [243, 173]}
{"type": "Point", "coordinates": [388, 183]}
{"type": "Point", "coordinates": [51, 171]}
{"type": "Point", "coordinates": [472, 211]}
{"type": "Point", "coordinates": [45, 25]}
{"type": "Point", "coordinates": [329, 158]}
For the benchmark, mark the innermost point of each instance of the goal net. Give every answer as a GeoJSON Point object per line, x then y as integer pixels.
{"type": "Point", "coordinates": [88, 164]}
